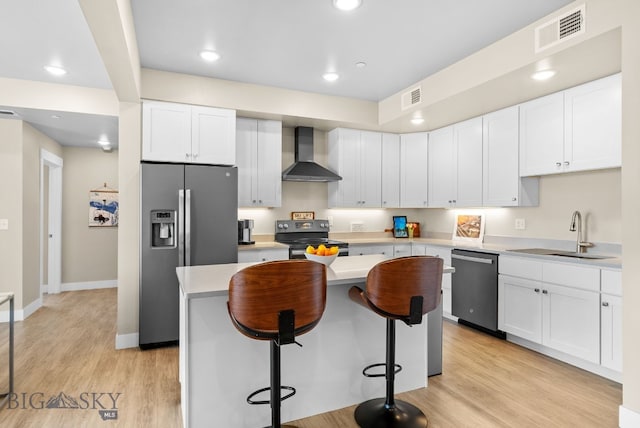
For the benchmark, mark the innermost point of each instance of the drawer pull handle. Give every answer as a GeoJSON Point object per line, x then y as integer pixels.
{"type": "Point", "coordinates": [537, 290]}
{"type": "Point", "coordinates": [545, 292]}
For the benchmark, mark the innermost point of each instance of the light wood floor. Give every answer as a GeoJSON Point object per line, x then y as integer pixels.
{"type": "Point", "coordinates": [68, 346]}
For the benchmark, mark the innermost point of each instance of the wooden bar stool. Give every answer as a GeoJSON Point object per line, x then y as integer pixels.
{"type": "Point", "coordinates": [403, 289]}
{"type": "Point", "coordinates": [277, 301]}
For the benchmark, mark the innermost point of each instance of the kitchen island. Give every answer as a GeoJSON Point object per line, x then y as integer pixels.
{"type": "Point", "coordinates": [219, 367]}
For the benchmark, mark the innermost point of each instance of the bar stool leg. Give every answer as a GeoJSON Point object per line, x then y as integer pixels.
{"type": "Point", "coordinates": [388, 412]}
{"type": "Point", "coordinates": [275, 384]}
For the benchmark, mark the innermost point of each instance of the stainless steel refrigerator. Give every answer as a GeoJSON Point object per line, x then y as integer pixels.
{"type": "Point", "coordinates": [188, 217]}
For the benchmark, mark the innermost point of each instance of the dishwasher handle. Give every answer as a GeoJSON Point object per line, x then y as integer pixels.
{"type": "Point", "coordinates": [472, 259]}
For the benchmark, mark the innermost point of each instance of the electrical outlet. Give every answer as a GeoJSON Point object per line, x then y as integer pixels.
{"type": "Point", "coordinates": [357, 226]}
{"type": "Point", "coordinates": [4, 224]}
{"type": "Point", "coordinates": [330, 219]}
{"type": "Point", "coordinates": [520, 224]}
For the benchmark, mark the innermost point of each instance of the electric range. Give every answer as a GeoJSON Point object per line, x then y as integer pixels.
{"type": "Point", "coordinates": [298, 234]}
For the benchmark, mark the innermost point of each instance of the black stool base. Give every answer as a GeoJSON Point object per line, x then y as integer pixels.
{"type": "Point", "coordinates": [374, 414]}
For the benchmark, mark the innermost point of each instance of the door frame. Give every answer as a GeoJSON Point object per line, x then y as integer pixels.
{"type": "Point", "coordinates": [53, 217]}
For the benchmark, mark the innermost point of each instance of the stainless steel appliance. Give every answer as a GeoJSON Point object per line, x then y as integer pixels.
{"type": "Point", "coordinates": [474, 290]}
{"type": "Point", "coordinates": [298, 234]}
{"type": "Point", "coordinates": [245, 228]}
{"type": "Point", "coordinates": [188, 217]}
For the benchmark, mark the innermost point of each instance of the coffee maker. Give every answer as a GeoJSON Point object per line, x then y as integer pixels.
{"type": "Point", "coordinates": [244, 232]}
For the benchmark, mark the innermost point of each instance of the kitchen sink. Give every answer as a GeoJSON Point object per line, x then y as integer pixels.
{"type": "Point", "coordinates": [550, 252]}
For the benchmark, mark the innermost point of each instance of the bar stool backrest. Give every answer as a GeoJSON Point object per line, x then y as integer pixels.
{"type": "Point", "coordinates": [391, 285]}
{"type": "Point", "coordinates": [259, 293]}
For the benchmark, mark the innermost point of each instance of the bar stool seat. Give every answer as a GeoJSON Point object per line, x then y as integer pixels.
{"type": "Point", "coordinates": [404, 289]}
{"type": "Point", "coordinates": [277, 301]}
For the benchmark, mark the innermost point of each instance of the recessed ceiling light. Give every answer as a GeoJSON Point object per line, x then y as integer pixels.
{"type": "Point", "coordinates": [361, 64]}
{"type": "Point", "coordinates": [417, 120]}
{"type": "Point", "coordinates": [543, 74]}
{"type": "Point", "coordinates": [347, 4]}
{"type": "Point", "coordinates": [55, 70]}
{"type": "Point", "coordinates": [55, 116]}
{"type": "Point", "coordinates": [330, 77]}
{"type": "Point", "coordinates": [210, 56]}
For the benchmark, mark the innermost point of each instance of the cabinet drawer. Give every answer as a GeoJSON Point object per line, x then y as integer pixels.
{"type": "Point", "coordinates": [587, 278]}
{"type": "Point", "coordinates": [611, 282]}
{"type": "Point", "coordinates": [520, 267]}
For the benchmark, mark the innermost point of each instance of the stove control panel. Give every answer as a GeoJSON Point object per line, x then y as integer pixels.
{"type": "Point", "coordinates": [293, 226]}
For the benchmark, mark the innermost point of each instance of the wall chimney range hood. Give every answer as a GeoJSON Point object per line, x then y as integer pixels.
{"type": "Point", "coordinates": [304, 168]}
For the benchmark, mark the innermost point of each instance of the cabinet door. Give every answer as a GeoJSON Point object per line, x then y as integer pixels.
{"type": "Point", "coordinates": [166, 132]}
{"type": "Point", "coordinates": [542, 135]}
{"type": "Point", "coordinates": [611, 332]}
{"type": "Point", "coordinates": [500, 158]}
{"type": "Point", "coordinates": [520, 307]}
{"type": "Point", "coordinates": [571, 321]}
{"type": "Point", "coordinates": [344, 149]}
{"type": "Point", "coordinates": [593, 125]}
{"type": "Point", "coordinates": [246, 158]}
{"type": "Point", "coordinates": [413, 170]}
{"type": "Point", "coordinates": [402, 250]}
{"type": "Point", "coordinates": [468, 157]}
{"type": "Point", "coordinates": [370, 180]}
{"type": "Point", "coordinates": [390, 170]}
{"type": "Point", "coordinates": [268, 167]}
{"type": "Point", "coordinates": [213, 136]}
{"type": "Point", "coordinates": [442, 168]}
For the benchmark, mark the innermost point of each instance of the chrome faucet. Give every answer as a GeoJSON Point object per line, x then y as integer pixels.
{"type": "Point", "coordinates": [577, 226]}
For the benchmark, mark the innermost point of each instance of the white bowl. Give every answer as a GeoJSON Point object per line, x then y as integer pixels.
{"type": "Point", "coordinates": [325, 260]}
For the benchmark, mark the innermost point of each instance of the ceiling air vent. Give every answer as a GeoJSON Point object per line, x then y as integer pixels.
{"type": "Point", "coordinates": [411, 98]}
{"type": "Point", "coordinates": [559, 29]}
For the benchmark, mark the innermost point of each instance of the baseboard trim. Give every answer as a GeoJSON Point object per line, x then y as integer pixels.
{"type": "Point", "coordinates": [91, 285]}
{"type": "Point", "coordinates": [22, 314]}
{"type": "Point", "coordinates": [124, 341]}
{"type": "Point", "coordinates": [628, 418]}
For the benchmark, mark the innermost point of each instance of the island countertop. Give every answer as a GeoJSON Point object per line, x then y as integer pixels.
{"type": "Point", "coordinates": [213, 280]}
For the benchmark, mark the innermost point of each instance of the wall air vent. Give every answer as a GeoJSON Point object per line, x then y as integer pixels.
{"type": "Point", "coordinates": [560, 29]}
{"type": "Point", "coordinates": [411, 98]}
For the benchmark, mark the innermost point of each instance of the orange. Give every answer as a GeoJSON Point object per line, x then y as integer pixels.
{"type": "Point", "coordinates": [310, 249]}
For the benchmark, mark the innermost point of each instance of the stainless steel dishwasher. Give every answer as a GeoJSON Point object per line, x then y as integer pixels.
{"type": "Point", "coordinates": [474, 290]}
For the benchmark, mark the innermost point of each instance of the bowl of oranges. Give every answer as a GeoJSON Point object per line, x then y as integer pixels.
{"type": "Point", "coordinates": [322, 254]}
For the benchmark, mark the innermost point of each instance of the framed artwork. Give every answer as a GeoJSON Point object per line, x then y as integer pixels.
{"type": "Point", "coordinates": [103, 207]}
{"type": "Point", "coordinates": [400, 226]}
{"type": "Point", "coordinates": [468, 227]}
{"type": "Point", "coordinates": [302, 215]}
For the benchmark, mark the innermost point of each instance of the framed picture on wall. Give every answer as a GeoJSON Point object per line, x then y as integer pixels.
{"type": "Point", "coordinates": [103, 207]}
{"type": "Point", "coordinates": [468, 227]}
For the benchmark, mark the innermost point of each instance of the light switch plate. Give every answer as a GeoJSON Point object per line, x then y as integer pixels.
{"type": "Point", "coordinates": [4, 224]}
{"type": "Point", "coordinates": [520, 224]}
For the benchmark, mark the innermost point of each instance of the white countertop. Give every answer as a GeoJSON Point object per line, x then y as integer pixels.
{"type": "Point", "coordinates": [212, 280]}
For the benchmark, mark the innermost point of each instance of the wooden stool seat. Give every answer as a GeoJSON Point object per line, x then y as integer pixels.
{"type": "Point", "coordinates": [277, 301]}
{"type": "Point", "coordinates": [402, 289]}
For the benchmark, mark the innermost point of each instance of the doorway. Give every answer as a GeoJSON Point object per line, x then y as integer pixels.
{"type": "Point", "coordinates": [51, 222]}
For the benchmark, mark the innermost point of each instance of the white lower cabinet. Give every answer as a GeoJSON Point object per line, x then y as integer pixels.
{"type": "Point", "coordinates": [569, 308]}
{"type": "Point", "coordinates": [402, 250]}
{"type": "Point", "coordinates": [362, 250]}
{"type": "Point", "coordinates": [571, 321]}
{"type": "Point", "coordinates": [262, 255]}
{"type": "Point", "coordinates": [611, 332]}
{"type": "Point", "coordinates": [520, 307]}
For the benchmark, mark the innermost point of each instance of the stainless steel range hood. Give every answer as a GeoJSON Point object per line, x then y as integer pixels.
{"type": "Point", "coordinates": [304, 168]}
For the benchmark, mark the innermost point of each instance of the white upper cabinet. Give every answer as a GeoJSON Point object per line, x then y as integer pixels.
{"type": "Point", "coordinates": [259, 160]}
{"type": "Point", "coordinates": [592, 135]}
{"type": "Point", "coordinates": [413, 170]}
{"type": "Point", "coordinates": [390, 170]}
{"type": "Point", "coordinates": [575, 130]}
{"type": "Point", "coordinates": [502, 184]}
{"type": "Point", "coordinates": [455, 165]}
{"type": "Point", "coordinates": [182, 133]}
{"type": "Point", "coordinates": [357, 157]}
{"type": "Point", "coordinates": [542, 135]}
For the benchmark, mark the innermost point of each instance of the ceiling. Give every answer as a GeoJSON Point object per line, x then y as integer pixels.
{"type": "Point", "coordinates": [281, 43]}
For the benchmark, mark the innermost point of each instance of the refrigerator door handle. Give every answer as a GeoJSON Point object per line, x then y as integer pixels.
{"type": "Point", "coordinates": [180, 227]}
{"type": "Point", "coordinates": [187, 227]}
